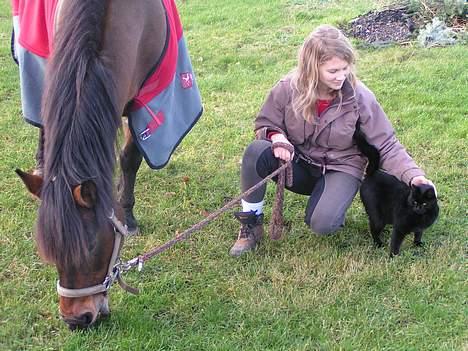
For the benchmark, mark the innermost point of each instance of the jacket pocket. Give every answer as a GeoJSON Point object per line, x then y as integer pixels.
{"type": "Point", "coordinates": [341, 132]}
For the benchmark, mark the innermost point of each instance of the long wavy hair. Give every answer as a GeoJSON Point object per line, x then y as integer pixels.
{"type": "Point", "coordinates": [324, 43]}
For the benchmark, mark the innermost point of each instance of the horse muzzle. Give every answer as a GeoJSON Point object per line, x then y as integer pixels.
{"type": "Point", "coordinates": [82, 321]}
{"type": "Point", "coordinates": [88, 317]}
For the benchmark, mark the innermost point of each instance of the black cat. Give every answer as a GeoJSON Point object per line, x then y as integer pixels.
{"type": "Point", "coordinates": [390, 201]}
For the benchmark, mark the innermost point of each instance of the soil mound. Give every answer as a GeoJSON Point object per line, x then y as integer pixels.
{"type": "Point", "coordinates": [388, 25]}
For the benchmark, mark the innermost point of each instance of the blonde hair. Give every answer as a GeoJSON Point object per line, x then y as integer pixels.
{"type": "Point", "coordinates": [324, 43]}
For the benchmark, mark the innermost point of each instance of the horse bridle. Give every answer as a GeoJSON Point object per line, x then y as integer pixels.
{"type": "Point", "coordinates": [113, 272]}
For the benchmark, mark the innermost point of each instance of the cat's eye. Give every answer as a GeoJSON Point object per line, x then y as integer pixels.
{"type": "Point", "coordinates": [424, 204]}
{"type": "Point", "coordinates": [415, 203]}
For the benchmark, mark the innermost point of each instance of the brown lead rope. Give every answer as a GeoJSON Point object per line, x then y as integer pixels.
{"type": "Point", "coordinates": [276, 222]}
{"type": "Point", "coordinates": [140, 260]}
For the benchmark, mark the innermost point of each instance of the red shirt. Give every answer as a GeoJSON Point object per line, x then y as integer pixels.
{"type": "Point", "coordinates": [321, 106]}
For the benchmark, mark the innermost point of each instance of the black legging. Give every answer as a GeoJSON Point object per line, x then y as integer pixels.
{"type": "Point", "coordinates": [330, 195]}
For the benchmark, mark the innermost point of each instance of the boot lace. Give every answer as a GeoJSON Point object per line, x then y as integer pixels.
{"type": "Point", "coordinates": [246, 231]}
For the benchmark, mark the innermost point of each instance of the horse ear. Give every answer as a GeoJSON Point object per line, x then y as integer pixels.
{"type": "Point", "coordinates": [33, 182]}
{"type": "Point", "coordinates": [85, 194]}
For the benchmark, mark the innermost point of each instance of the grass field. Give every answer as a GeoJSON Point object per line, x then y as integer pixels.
{"type": "Point", "coordinates": [302, 293]}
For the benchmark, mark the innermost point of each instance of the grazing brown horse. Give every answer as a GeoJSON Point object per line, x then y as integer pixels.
{"type": "Point", "coordinates": [103, 52]}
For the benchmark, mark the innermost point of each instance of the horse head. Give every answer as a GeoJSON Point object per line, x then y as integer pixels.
{"type": "Point", "coordinates": [71, 235]}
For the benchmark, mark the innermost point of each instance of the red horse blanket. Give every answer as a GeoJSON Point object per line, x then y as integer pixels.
{"type": "Point", "coordinates": [36, 21]}
{"type": "Point", "coordinates": [164, 111]}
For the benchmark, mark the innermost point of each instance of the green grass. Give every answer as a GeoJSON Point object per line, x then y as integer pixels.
{"type": "Point", "coordinates": [302, 293]}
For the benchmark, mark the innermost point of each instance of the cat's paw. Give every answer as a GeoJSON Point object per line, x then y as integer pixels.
{"type": "Point", "coordinates": [378, 244]}
{"type": "Point", "coordinates": [419, 243]}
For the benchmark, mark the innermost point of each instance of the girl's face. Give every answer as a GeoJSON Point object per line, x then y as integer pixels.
{"type": "Point", "coordinates": [332, 73]}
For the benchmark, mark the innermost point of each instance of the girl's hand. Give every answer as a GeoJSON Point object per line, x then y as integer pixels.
{"type": "Point", "coordinates": [419, 180]}
{"type": "Point", "coordinates": [282, 148]}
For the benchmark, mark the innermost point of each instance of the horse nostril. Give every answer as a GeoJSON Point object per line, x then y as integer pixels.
{"type": "Point", "coordinates": [86, 319]}
{"type": "Point", "coordinates": [80, 322]}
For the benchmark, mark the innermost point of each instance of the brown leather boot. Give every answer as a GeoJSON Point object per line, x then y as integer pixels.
{"type": "Point", "coordinates": [250, 234]}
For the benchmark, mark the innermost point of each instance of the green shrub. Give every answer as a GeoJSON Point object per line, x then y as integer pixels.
{"type": "Point", "coordinates": [436, 33]}
{"type": "Point", "coordinates": [443, 9]}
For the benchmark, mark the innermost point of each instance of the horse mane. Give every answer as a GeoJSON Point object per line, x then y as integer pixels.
{"type": "Point", "coordinates": [79, 110]}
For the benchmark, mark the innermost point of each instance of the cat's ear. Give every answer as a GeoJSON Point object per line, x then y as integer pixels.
{"type": "Point", "coordinates": [425, 191]}
{"type": "Point", "coordinates": [415, 189]}
{"type": "Point", "coordinates": [430, 193]}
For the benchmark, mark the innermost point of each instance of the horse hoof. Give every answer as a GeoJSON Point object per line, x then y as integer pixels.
{"type": "Point", "coordinates": [133, 231]}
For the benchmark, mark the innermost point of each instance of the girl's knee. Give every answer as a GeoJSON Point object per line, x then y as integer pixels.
{"type": "Point", "coordinates": [256, 147]}
{"type": "Point", "coordinates": [324, 226]}
{"type": "Point", "coordinates": [259, 159]}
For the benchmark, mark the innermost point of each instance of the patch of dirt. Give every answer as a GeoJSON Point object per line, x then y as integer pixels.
{"type": "Point", "coordinates": [388, 25]}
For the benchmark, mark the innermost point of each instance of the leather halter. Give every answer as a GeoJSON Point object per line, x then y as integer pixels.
{"type": "Point", "coordinates": [113, 272]}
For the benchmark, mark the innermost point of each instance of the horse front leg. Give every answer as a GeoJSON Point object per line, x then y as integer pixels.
{"type": "Point", "coordinates": [130, 161]}
{"type": "Point", "coordinates": [39, 169]}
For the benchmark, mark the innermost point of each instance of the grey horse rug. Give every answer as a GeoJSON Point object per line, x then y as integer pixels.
{"type": "Point", "coordinates": [160, 116]}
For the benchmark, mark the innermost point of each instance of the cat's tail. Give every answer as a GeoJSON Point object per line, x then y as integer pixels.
{"type": "Point", "coordinates": [368, 150]}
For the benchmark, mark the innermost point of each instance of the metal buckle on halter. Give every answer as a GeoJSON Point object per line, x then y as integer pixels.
{"type": "Point", "coordinates": [110, 278]}
{"type": "Point", "coordinates": [107, 282]}
{"type": "Point", "coordinates": [137, 261]}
